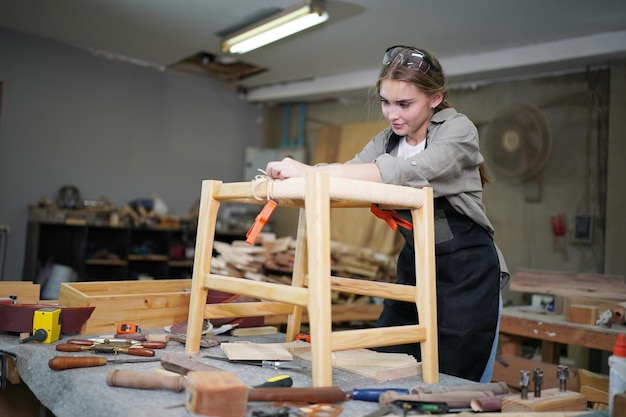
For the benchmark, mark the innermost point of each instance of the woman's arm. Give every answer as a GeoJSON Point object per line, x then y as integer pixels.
{"type": "Point", "coordinates": [288, 168]}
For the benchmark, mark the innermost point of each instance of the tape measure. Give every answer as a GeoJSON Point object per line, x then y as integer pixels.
{"type": "Point", "coordinates": [126, 328]}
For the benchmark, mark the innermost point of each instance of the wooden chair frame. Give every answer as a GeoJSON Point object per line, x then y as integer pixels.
{"type": "Point", "coordinates": [312, 282]}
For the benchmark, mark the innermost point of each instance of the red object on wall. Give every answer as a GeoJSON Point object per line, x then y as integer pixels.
{"type": "Point", "coordinates": [558, 224]}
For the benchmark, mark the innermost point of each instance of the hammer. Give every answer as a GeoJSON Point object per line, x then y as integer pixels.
{"type": "Point", "coordinates": [220, 394]}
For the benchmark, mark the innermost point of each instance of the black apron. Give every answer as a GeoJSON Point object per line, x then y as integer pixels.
{"type": "Point", "coordinates": [468, 288]}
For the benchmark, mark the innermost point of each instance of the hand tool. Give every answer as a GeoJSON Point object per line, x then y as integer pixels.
{"type": "Point", "coordinates": [102, 348]}
{"type": "Point", "coordinates": [523, 383]}
{"type": "Point", "coordinates": [148, 380]}
{"type": "Point", "coordinates": [119, 343]}
{"type": "Point", "coordinates": [391, 217]}
{"type": "Point", "coordinates": [537, 380]}
{"type": "Point", "coordinates": [209, 392]}
{"type": "Point", "coordinates": [126, 328]}
{"type": "Point", "coordinates": [562, 373]}
{"type": "Point", "coordinates": [48, 319]}
{"type": "Point", "coordinates": [409, 408]}
{"type": "Point", "coordinates": [454, 399]}
{"type": "Point", "coordinates": [372, 394]}
{"type": "Point", "coordinates": [181, 364]}
{"type": "Point", "coordinates": [260, 221]}
{"type": "Point", "coordinates": [290, 410]}
{"type": "Point", "coordinates": [59, 363]}
{"type": "Point", "coordinates": [262, 363]}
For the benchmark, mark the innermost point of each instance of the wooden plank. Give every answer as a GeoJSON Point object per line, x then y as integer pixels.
{"type": "Point", "coordinates": [25, 291]}
{"type": "Point", "coordinates": [366, 357]}
{"type": "Point", "coordinates": [550, 400]}
{"type": "Point", "coordinates": [557, 329]}
{"type": "Point", "coordinates": [371, 366]}
{"type": "Point", "coordinates": [596, 286]}
{"type": "Point", "coordinates": [594, 386]}
{"type": "Point", "coordinates": [255, 351]}
{"type": "Point", "coordinates": [254, 331]}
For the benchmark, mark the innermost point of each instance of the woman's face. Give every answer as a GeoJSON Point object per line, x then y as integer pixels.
{"type": "Point", "coordinates": [407, 108]}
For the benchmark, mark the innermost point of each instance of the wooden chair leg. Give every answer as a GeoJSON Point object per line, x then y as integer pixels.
{"type": "Point", "coordinates": [317, 207]}
{"type": "Point", "coordinates": [294, 320]}
{"type": "Point", "coordinates": [207, 219]}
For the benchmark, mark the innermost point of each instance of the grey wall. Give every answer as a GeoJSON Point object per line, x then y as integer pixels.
{"type": "Point", "coordinates": [110, 128]}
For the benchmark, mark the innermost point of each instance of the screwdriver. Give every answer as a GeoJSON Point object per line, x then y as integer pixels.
{"type": "Point", "coordinates": [372, 394]}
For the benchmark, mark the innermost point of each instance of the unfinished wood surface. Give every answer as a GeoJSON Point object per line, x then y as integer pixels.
{"type": "Point", "coordinates": [368, 363]}
{"type": "Point", "coordinates": [154, 304]}
{"type": "Point", "coordinates": [312, 284]}
{"type": "Point", "coordinates": [595, 387]}
{"type": "Point", "coordinates": [550, 400]}
{"type": "Point", "coordinates": [595, 286]}
{"type": "Point", "coordinates": [25, 291]}
{"type": "Point", "coordinates": [557, 329]}
{"type": "Point", "coordinates": [584, 313]}
{"type": "Point", "coordinates": [366, 357]}
{"type": "Point", "coordinates": [255, 351]}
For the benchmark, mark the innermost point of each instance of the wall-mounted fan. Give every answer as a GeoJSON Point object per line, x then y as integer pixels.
{"type": "Point", "coordinates": [518, 142]}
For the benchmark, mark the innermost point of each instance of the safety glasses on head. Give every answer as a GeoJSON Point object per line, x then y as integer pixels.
{"type": "Point", "coordinates": [408, 56]}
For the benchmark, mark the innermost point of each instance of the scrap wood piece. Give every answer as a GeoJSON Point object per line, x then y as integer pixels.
{"type": "Point", "coordinates": [254, 331]}
{"type": "Point", "coordinates": [594, 386]}
{"type": "Point", "coordinates": [256, 351]}
{"type": "Point", "coordinates": [367, 366]}
{"type": "Point", "coordinates": [551, 400]}
{"type": "Point", "coordinates": [367, 357]}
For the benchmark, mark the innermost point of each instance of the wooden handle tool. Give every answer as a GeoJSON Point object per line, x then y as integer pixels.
{"type": "Point", "coordinates": [148, 380]}
{"type": "Point", "coordinates": [151, 344]}
{"type": "Point", "coordinates": [59, 363]}
{"type": "Point", "coordinates": [135, 351]}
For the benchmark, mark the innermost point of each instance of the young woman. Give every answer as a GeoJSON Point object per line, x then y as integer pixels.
{"type": "Point", "coordinates": [428, 143]}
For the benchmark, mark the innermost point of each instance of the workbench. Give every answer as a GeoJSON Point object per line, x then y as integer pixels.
{"type": "Point", "coordinates": [553, 330]}
{"type": "Point", "coordinates": [84, 392]}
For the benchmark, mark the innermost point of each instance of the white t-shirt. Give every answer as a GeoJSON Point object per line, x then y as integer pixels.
{"type": "Point", "coordinates": [406, 151]}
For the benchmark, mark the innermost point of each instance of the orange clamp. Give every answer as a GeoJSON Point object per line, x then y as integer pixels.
{"type": "Point", "coordinates": [392, 218]}
{"type": "Point", "coordinates": [260, 221]}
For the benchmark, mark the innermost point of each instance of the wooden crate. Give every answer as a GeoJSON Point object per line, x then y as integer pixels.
{"type": "Point", "coordinates": [25, 291]}
{"type": "Point", "coordinates": [151, 304]}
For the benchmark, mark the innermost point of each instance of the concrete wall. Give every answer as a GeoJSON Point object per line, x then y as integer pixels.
{"type": "Point", "coordinates": [615, 261]}
{"type": "Point", "coordinates": [112, 129]}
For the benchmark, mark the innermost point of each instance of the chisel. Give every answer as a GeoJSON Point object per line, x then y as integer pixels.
{"type": "Point", "coordinates": [58, 363]}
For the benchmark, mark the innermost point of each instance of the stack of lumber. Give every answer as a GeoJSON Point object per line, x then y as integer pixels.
{"type": "Point", "coordinates": [271, 259]}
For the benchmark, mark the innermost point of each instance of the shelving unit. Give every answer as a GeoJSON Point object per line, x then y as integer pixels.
{"type": "Point", "coordinates": [102, 253]}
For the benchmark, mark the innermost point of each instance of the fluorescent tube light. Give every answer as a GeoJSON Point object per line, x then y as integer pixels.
{"type": "Point", "coordinates": [276, 27]}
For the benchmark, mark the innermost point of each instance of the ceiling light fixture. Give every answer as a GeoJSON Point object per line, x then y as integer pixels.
{"type": "Point", "coordinates": [278, 26]}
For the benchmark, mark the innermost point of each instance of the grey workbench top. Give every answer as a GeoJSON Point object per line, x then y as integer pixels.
{"type": "Point", "coordinates": [76, 392]}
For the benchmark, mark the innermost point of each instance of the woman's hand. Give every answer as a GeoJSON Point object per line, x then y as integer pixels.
{"type": "Point", "coordinates": [287, 168]}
